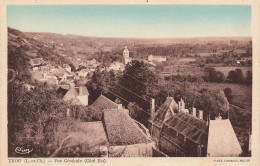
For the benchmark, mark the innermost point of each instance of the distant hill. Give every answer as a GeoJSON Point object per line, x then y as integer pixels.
{"type": "Point", "coordinates": [58, 48]}
{"type": "Point", "coordinates": [100, 41]}
{"type": "Point", "coordinates": [22, 47]}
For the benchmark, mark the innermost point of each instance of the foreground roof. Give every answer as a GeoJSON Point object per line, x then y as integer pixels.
{"type": "Point", "coordinates": [89, 136]}
{"type": "Point", "coordinates": [189, 126]}
{"type": "Point", "coordinates": [121, 129]}
{"type": "Point", "coordinates": [222, 140]}
{"type": "Point", "coordinates": [103, 102]}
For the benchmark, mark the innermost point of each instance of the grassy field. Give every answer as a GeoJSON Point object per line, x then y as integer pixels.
{"type": "Point", "coordinates": [242, 94]}
{"type": "Point", "coordinates": [225, 70]}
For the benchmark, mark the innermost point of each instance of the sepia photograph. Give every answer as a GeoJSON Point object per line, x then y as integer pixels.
{"type": "Point", "coordinates": [129, 81]}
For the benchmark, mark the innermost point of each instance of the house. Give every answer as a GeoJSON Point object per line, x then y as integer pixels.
{"type": "Point", "coordinates": [83, 72]}
{"type": "Point", "coordinates": [75, 95]}
{"type": "Point", "coordinates": [117, 66]}
{"type": "Point", "coordinates": [87, 140]}
{"type": "Point", "coordinates": [125, 137]}
{"type": "Point", "coordinates": [93, 63]}
{"type": "Point", "coordinates": [45, 77]}
{"type": "Point", "coordinates": [53, 69]}
{"type": "Point", "coordinates": [67, 67]}
{"type": "Point", "coordinates": [67, 76]}
{"type": "Point", "coordinates": [45, 69]}
{"type": "Point", "coordinates": [156, 58]}
{"type": "Point", "coordinates": [179, 133]}
{"type": "Point", "coordinates": [36, 62]}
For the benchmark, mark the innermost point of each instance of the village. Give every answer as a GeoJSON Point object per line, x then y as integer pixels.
{"type": "Point", "coordinates": [172, 131]}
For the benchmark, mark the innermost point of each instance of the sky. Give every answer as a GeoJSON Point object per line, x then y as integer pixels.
{"type": "Point", "coordinates": [133, 21]}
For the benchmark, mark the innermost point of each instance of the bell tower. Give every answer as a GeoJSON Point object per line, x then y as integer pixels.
{"type": "Point", "coordinates": [126, 53]}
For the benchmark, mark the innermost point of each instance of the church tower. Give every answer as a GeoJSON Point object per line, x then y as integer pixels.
{"type": "Point", "coordinates": [126, 53]}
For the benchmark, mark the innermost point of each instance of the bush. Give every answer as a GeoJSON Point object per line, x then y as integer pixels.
{"type": "Point", "coordinates": [211, 75]}
{"type": "Point", "coordinates": [236, 76]}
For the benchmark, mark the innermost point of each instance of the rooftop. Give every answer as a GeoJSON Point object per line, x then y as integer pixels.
{"type": "Point", "coordinates": [90, 136]}
{"type": "Point", "coordinates": [168, 105]}
{"type": "Point", "coordinates": [103, 102]}
{"type": "Point", "coordinates": [121, 129]}
{"type": "Point", "coordinates": [189, 126]}
{"type": "Point", "coordinates": [222, 140]}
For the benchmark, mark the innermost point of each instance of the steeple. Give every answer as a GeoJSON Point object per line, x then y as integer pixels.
{"type": "Point", "coordinates": [126, 53]}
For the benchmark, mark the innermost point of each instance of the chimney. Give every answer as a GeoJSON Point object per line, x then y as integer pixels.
{"type": "Point", "coordinates": [44, 75]}
{"type": "Point", "coordinates": [201, 114]}
{"type": "Point", "coordinates": [179, 106]}
{"type": "Point", "coordinates": [194, 111]}
{"type": "Point", "coordinates": [120, 107]}
{"type": "Point", "coordinates": [68, 114]}
{"type": "Point", "coordinates": [80, 91]}
{"type": "Point", "coordinates": [152, 108]}
{"type": "Point", "coordinates": [72, 85]}
{"type": "Point", "coordinates": [183, 105]}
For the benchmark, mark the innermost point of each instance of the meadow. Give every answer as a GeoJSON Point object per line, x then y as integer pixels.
{"type": "Point", "coordinates": [242, 94]}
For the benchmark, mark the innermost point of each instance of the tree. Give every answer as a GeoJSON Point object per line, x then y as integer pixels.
{"type": "Point", "coordinates": [32, 116]}
{"type": "Point", "coordinates": [138, 84]}
{"type": "Point", "coordinates": [236, 76]}
{"type": "Point", "coordinates": [134, 110]}
{"type": "Point", "coordinates": [213, 103]}
{"type": "Point", "coordinates": [211, 75]}
{"type": "Point", "coordinates": [102, 81]}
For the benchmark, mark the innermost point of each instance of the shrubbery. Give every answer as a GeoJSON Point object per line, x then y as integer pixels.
{"type": "Point", "coordinates": [211, 75]}
{"type": "Point", "coordinates": [236, 76]}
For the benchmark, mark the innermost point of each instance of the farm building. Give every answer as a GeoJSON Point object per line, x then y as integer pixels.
{"type": "Point", "coordinates": [126, 137]}
{"type": "Point", "coordinates": [178, 133]}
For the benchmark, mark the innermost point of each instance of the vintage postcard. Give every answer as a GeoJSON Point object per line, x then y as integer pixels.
{"type": "Point", "coordinates": [129, 83]}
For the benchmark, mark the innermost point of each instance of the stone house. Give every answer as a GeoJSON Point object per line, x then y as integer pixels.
{"type": "Point", "coordinates": [178, 133]}
{"type": "Point", "coordinates": [75, 95]}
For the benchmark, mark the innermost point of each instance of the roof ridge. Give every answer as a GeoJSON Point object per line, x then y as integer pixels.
{"type": "Point", "coordinates": [105, 98]}
{"type": "Point", "coordinates": [195, 117]}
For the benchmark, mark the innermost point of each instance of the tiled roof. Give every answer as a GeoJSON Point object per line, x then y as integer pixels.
{"type": "Point", "coordinates": [121, 129]}
{"type": "Point", "coordinates": [168, 105]}
{"type": "Point", "coordinates": [189, 126]}
{"type": "Point", "coordinates": [103, 102]}
{"type": "Point", "coordinates": [90, 137]}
